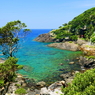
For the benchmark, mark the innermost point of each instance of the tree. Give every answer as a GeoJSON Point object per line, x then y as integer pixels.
{"type": "Point", "coordinates": [82, 25]}
{"type": "Point", "coordinates": [10, 35]}
{"type": "Point", "coordinates": [8, 70]}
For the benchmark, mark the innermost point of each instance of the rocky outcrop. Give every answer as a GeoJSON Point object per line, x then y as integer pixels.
{"type": "Point", "coordinates": [41, 84]}
{"type": "Point", "coordinates": [66, 46]}
{"type": "Point", "coordinates": [53, 89]}
{"type": "Point", "coordinates": [81, 42]}
{"type": "Point", "coordinates": [88, 49]}
{"type": "Point", "coordinates": [44, 38]}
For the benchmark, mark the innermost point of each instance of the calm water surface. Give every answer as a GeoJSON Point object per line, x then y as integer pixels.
{"type": "Point", "coordinates": [42, 62]}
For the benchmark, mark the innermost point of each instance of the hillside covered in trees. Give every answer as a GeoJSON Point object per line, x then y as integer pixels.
{"type": "Point", "coordinates": [82, 26]}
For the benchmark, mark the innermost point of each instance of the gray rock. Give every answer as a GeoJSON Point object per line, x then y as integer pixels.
{"type": "Point", "coordinates": [65, 46]}
{"type": "Point", "coordinates": [65, 76]}
{"type": "Point", "coordinates": [57, 84]}
{"type": "Point", "coordinates": [41, 84]}
{"type": "Point", "coordinates": [44, 38]}
{"type": "Point", "coordinates": [44, 91]}
{"type": "Point", "coordinates": [81, 42]}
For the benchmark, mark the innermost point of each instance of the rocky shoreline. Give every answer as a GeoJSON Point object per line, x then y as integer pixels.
{"type": "Point", "coordinates": [41, 88]}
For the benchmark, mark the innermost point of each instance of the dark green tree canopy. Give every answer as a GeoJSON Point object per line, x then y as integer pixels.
{"type": "Point", "coordinates": [83, 26]}
{"type": "Point", "coordinates": [10, 35]}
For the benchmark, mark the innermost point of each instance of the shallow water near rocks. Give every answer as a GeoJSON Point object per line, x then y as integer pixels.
{"type": "Point", "coordinates": [42, 62]}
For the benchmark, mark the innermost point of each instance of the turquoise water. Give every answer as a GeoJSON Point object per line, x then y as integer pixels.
{"type": "Point", "coordinates": [42, 62]}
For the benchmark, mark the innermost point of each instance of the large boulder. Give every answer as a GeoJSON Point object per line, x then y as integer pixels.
{"type": "Point", "coordinates": [41, 84]}
{"type": "Point", "coordinates": [44, 38]}
{"type": "Point", "coordinates": [53, 89]}
{"type": "Point", "coordinates": [66, 46]}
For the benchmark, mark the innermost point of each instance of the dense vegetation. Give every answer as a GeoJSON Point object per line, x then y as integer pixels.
{"type": "Point", "coordinates": [83, 84]}
{"type": "Point", "coordinates": [82, 26]}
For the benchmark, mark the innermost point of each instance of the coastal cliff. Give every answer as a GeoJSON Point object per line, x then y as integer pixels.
{"type": "Point", "coordinates": [44, 38]}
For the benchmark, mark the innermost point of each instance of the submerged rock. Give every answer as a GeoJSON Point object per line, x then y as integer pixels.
{"type": "Point", "coordinates": [71, 62]}
{"type": "Point", "coordinates": [27, 68]}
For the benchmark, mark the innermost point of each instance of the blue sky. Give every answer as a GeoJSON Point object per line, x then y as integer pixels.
{"type": "Point", "coordinates": [42, 14]}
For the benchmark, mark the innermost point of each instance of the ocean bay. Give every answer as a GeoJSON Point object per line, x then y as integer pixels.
{"type": "Point", "coordinates": [42, 62]}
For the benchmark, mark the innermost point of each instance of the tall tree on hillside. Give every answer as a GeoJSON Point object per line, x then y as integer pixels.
{"type": "Point", "coordinates": [10, 35]}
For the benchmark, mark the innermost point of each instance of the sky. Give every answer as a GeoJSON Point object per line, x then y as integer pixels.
{"type": "Point", "coordinates": [42, 14]}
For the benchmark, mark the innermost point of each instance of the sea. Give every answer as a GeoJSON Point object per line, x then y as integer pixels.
{"type": "Point", "coordinates": [43, 63]}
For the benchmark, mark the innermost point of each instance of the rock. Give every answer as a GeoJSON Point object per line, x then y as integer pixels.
{"type": "Point", "coordinates": [24, 84]}
{"type": "Point", "coordinates": [44, 38]}
{"type": "Point", "coordinates": [77, 58]}
{"type": "Point", "coordinates": [44, 91]}
{"type": "Point", "coordinates": [61, 64]}
{"type": "Point", "coordinates": [41, 84]}
{"type": "Point", "coordinates": [2, 61]}
{"type": "Point", "coordinates": [69, 80]}
{"type": "Point", "coordinates": [71, 62]}
{"type": "Point", "coordinates": [81, 42]}
{"type": "Point", "coordinates": [56, 92]}
{"type": "Point", "coordinates": [65, 76]}
{"type": "Point", "coordinates": [27, 68]}
{"type": "Point", "coordinates": [57, 84]}
{"type": "Point", "coordinates": [65, 46]}
{"type": "Point", "coordinates": [53, 89]}
{"type": "Point", "coordinates": [61, 69]}
{"type": "Point", "coordinates": [88, 49]}
{"type": "Point", "coordinates": [76, 72]}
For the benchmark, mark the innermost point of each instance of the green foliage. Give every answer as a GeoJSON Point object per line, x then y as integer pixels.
{"type": "Point", "coordinates": [82, 26]}
{"type": "Point", "coordinates": [20, 67]}
{"type": "Point", "coordinates": [20, 91]}
{"type": "Point", "coordinates": [9, 37]}
{"type": "Point", "coordinates": [92, 38]}
{"type": "Point", "coordinates": [18, 85]}
{"type": "Point", "coordinates": [83, 84]}
{"type": "Point", "coordinates": [70, 42]}
{"type": "Point", "coordinates": [74, 37]}
{"type": "Point", "coordinates": [91, 57]}
{"type": "Point", "coordinates": [1, 83]}
{"type": "Point", "coordinates": [7, 70]}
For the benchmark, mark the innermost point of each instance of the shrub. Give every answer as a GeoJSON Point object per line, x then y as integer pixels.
{"type": "Point", "coordinates": [83, 84]}
{"type": "Point", "coordinates": [8, 70]}
{"type": "Point", "coordinates": [20, 91]}
{"type": "Point", "coordinates": [1, 83]}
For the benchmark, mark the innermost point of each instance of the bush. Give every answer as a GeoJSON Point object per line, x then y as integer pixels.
{"type": "Point", "coordinates": [83, 84]}
{"type": "Point", "coordinates": [74, 37]}
{"type": "Point", "coordinates": [20, 91]}
{"type": "Point", "coordinates": [1, 83]}
{"type": "Point", "coordinates": [8, 70]}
